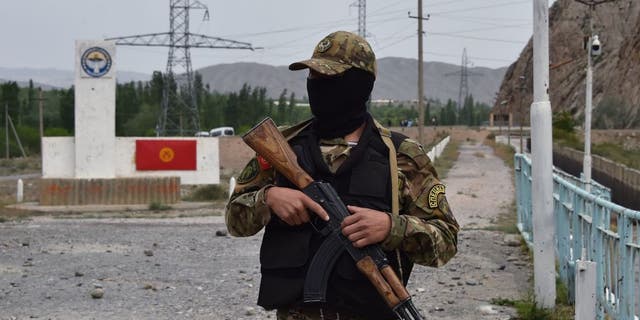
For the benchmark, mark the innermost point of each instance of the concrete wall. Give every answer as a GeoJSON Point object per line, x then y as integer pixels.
{"type": "Point", "coordinates": [145, 190]}
{"type": "Point", "coordinates": [58, 160]}
{"type": "Point", "coordinates": [623, 181]}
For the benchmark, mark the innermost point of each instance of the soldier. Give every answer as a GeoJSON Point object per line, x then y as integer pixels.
{"type": "Point", "coordinates": [343, 145]}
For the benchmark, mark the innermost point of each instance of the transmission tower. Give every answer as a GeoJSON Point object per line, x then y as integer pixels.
{"type": "Point", "coordinates": [464, 73]}
{"type": "Point", "coordinates": [463, 92]}
{"type": "Point", "coordinates": [362, 17]}
{"type": "Point", "coordinates": [179, 114]}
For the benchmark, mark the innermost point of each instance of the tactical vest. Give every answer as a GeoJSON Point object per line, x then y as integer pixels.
{"type": "Point", "coordinates": [362, 180]}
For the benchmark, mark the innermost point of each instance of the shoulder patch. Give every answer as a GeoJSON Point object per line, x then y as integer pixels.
{"type": "Point", "coordinates": [433, 195]}
{"type": "Point", "coordinates": [249, 172]}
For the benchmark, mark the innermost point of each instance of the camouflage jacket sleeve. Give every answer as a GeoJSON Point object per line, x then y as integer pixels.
{"type": "Point", "coordinates": [426, 229]}
{"type": "Point", "coordinates": [246, 213]}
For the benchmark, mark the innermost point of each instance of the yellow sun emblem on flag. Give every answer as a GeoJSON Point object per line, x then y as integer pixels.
{"type": "Point", "coordinates": [166, 154]}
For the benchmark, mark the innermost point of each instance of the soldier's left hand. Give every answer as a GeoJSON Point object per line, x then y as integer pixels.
{"type": "Point", "coordinates": [366, 226]}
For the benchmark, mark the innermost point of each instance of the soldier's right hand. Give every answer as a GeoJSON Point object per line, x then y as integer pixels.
{"type": "Point", "coordinates": [292, 206]}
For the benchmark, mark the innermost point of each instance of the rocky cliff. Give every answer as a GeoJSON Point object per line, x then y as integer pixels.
{"type": "Point", "coordinates": [616, 72]}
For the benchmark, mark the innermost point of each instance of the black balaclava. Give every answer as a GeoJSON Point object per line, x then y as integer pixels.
{"type": "Point", "coordinates": [339, 104]}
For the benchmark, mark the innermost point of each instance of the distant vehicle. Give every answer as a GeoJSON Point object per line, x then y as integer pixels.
{"type": "Point", "coordinates": [221, 132]}
{"type": "Point", "coordinates": [202, 134]}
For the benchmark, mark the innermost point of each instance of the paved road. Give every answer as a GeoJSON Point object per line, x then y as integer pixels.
{"type": "Point", "coordinates": [179, 269]}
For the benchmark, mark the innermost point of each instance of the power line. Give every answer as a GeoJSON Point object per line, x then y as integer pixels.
{"type": "Point", "coordinates": [473, 38]}
{"type": "Point", "coordinates": [482, 7]}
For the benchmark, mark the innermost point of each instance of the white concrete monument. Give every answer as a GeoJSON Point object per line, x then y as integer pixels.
{"type": "Point", "coordinates": [95, 109]}
{"type": "Point", "coordinates": [95, 166]}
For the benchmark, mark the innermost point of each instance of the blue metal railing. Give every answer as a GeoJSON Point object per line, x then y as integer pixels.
{"type": "Point", "coordinates": [589, 227]}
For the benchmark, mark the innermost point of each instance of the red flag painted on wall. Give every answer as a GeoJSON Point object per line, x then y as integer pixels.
{"type": "Point", "coordinates": [166, 155]}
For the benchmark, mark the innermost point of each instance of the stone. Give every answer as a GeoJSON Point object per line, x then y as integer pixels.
{"type": "Point", "coordinates": [97, 293]}
{"type": "Point", "coordinates": [221, 233]}
{"type": "Point", "coordinates": [512, 240]}
{"type": "Point", "coordinates": [148, 253]}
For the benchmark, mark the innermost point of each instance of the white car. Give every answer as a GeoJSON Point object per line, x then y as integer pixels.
{"type": "Point", "coordinates": [222, 131]}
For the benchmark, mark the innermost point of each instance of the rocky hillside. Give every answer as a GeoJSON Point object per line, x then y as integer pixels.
{"type": "Point", "coordinates": [616, 73]}
{"type": "Point", "coordinates": [397, 78]}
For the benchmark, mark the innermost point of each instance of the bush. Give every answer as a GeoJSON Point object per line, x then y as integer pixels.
{"type": "Point", "coordinates": [564, 121]}
{"type": "Point", "coordinates": [156, 206]}
{"type": "Point", "coordinates": [56, 132]}
{"type": "Point", "coordinates": [30, 138]}
{"type": "Point", "coordinates": [208, 193]}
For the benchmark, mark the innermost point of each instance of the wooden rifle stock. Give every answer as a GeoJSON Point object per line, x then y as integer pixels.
{"type": "Point", "coordinates": [265, 139]}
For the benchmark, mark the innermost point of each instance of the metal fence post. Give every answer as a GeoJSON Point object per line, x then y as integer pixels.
{"type": "Point", "coordinates": [585, 290]}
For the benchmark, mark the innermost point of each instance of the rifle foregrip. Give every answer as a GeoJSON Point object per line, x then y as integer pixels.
{"type": "Point", "coordinates": [394, 282]}
{"type": "Point", "coordinates": [268, 142]}
{"type": "Point", "coordinates": [369, 269]}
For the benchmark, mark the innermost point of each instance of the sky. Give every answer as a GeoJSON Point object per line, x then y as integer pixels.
{"type": "Point", "coordinates": [41, 33]}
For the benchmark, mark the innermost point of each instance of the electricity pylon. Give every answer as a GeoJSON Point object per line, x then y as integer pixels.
{"type": "Point", "coordinates": [362, 17]}
{"type": "Point", "coordinates": [179, 114]}
{"type": "Point", "coordinates": [464, 73]}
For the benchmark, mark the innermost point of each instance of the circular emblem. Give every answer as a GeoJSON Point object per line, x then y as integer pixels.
{"type": "Point", "coordinates": [324, 45]}
{"type": "Point", "coordinates": [166, 154]}
{"type": "Point", "coordinates": [96, 62]}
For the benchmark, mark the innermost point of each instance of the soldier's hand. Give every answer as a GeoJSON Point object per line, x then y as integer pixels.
{"type": "Point", "coordinates": [292, 206]}
{"type": "Point", "coordinates": [366, 226]}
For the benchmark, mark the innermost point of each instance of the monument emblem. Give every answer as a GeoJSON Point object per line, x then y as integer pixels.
{"type": "Point", "coordinates": [96, 62]}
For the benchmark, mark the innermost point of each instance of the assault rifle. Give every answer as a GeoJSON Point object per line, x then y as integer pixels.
{"type": "Point", "coordinates": [269, 143]}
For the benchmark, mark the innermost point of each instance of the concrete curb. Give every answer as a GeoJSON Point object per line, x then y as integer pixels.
{"type": "Point", "coordinates": [36, 207]}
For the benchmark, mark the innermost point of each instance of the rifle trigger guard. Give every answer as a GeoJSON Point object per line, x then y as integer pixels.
{"type": "Point", "coordinates": [321, 226]}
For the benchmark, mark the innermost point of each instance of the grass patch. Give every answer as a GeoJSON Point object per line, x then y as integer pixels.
{"type": "Point", "coordinates": [29, 164]}
{"type": "Point", "coordinates": [528, 309]}
{"type": "Point", "coordinates": [502, 151]}
{"type": "Point", "coordinates": [446, 160]}
{"type": "Point", "coordinates": [612, 151]}
{"type": "Point", "coordinates": [506, 221]}
{"type": "Point", "coordinates": [157, 206]}
{"type": "Point", "coordinates": [8, 214]}
{"type": "Point", "coordinates": [208, 193]}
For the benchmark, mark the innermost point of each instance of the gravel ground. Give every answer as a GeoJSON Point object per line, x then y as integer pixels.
{"type": "Point", "coordinates": [188, 268]}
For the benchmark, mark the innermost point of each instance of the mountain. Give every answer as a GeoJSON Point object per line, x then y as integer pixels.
{"type": "Point", "coordinates": [57, 78]}
{"type": "Point", "coordinates": [24, 84]}
{"type": "Point", "coordinates": [397, 79]}
{"type": "Point", "coordinates": [616, 89]}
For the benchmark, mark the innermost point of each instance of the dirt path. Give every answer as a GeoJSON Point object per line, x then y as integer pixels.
{"type": "Point", "coordinates": [178, 268]}
{"type": "Point", "coordinates": [479, 188]}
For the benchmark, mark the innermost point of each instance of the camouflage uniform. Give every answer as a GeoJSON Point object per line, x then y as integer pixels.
{"type": "Point", "coordinates": [425, 230]}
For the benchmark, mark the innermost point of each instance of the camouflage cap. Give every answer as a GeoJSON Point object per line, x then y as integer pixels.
{"type": "Point", "coordinates": [338, 52]}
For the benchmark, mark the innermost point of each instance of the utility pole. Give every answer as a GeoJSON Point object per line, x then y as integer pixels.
{"type": "Point", "coordinates": [420, 72]}
{"type": "Point", "coordinates": [544, 232]}
{"type": "Point", "coordinates": [40, 115]}
{"type": "Point", "coordinates": [179, 40]}
{"type": "Point", "coordinates": [6, 128]}
{"type": "Point", "coordinates": [521, 113]}
{"type": "Point", "coordinates": [586, 164]}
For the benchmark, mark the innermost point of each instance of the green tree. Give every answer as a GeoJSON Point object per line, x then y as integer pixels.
{"type": "Point", "coordinates": [10, 100]}
{"type": "Point", "coordinates": [467, 113]}
{"type": "Point", "coordinates": [127, 106]}
{"type": "Point", "coordinates": [281, 107]}
{"type": "Point", "coordinates": [67, 109]}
